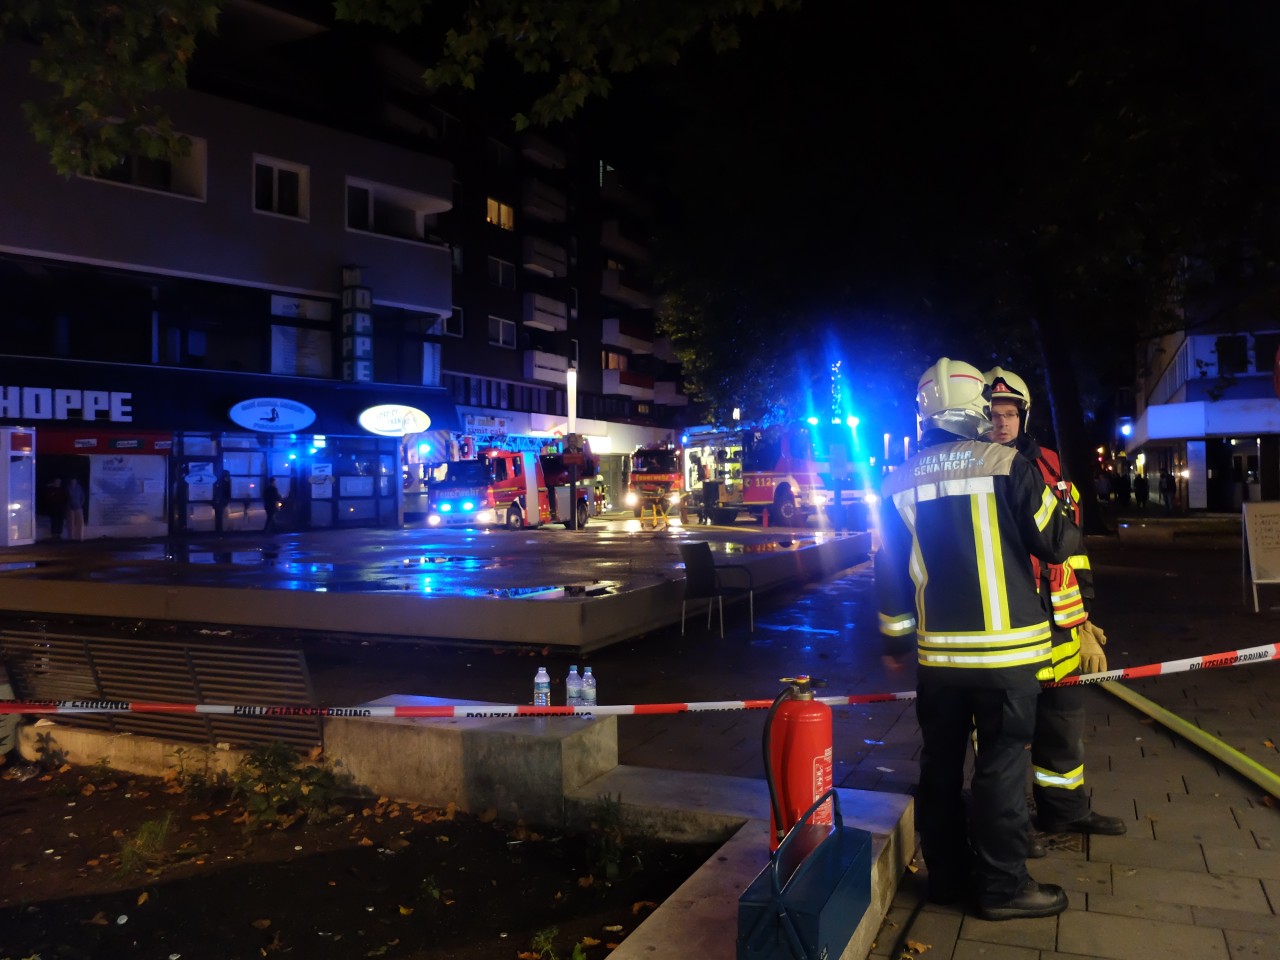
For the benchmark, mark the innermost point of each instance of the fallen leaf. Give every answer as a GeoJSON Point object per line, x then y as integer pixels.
{"type": "Point", "coordinates": [526, 955]}
{"type": "Point", "coordinates": [590, 942]}
{"type": "Point", "coordinates": [262, 924]}
{"type": "Point", "coordinates": [450, 810]}
{"type": "Point", "coordinates": [64, 768]}
{"type": "Point", "coordinates": [406, 911]}
{"type": "Point", "coordinates": [1268, 801]}
{"type": "Point", "coordinates": [200, 816]}
{"type": "Point", "coordinates": [611, 946]}
{"type": "Point", "coordinates": [586, 881]}
{"type": "Point", "coordinates": [365, 842]}
{"type": "Point", "coordinates": [143, 897]}
{"type": "Point", "coordinates": [915, 947]}
{"type": "Point", "coordinates": [642, 905]}
{"type": "Point", "coordinates": [87, 790]}
{"type": "Point", "coordinates": [613, 928]}
{"type": "Point", "coordinates": [1268, 744]}
{"type": "Point", "coordinates": [99, 919]}
{"type": "Point", "coordinates": [397, 843]}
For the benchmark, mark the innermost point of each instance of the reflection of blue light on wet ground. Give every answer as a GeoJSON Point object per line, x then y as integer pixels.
{"type": "Point", "coordinates": [17, 566]}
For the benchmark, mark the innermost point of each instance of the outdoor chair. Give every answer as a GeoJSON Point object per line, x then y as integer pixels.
{"type": "Point", "coordinates": [704, 580]}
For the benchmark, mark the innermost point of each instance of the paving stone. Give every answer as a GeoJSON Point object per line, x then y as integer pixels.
{"type": "Point", "coordinates": [1241, 862]}
{"type": "Point", "coordinates": [1251, 946]}
{"type": "Point", "coordinates": [891, 928]}
{"type": "Point", "coordinates": [1038, 934]}
{"type": "Point", "coordinates": [1262, 821]}
{"type": "Point", "coordinates": [1074, 876]}
{"type": "Point", "coordinates": [968, 950]}
{"type": "Point", "coordinates": [1237, 920]}
{"type": "Point", "coordinates": [1201, 826]}
{"type": "Point", "coordinates": [1146, 909]}
{"type": "Point", "coordinates": [1144, 852]}
{"type": "Point", "coordinates": [1054, 955]}
{"type": "Point", "coordinates": [1229, 793]}
{"type": "Point", "coordinates": [1181, 886]}
{"type": "Point", "coordinates": [1272, 889]}
{"type": "Point", "coordinates": [937, 929]}
{"type": "Point", "coordinates": [1127, 938]}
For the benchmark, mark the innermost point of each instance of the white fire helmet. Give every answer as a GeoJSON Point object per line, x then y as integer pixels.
{"type": "Point", "coordinates": [1003, 385]}
{"type": "Point", "coordinates": [951, 396]}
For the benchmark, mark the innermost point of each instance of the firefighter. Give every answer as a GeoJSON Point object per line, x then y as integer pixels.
{"type": "Point", "coordinates": [960, 521]}
{"type": "Point", "coordinates": [1057, 750]}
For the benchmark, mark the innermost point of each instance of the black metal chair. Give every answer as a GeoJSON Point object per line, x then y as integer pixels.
{"type": "Point", "coordinates": [704, 580]}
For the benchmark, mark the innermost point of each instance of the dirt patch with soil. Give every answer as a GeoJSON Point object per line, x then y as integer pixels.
{"type": "Point", "coordinates": [100, 864]}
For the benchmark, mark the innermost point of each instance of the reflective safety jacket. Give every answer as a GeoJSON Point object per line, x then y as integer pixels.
{"type": "Point", "coordinates": [1067, 585]}
{"type": "Point", "coordinates": [959, 523]}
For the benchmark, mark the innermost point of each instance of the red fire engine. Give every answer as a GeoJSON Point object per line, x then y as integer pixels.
{"type": "Point", "coordinates": [514, 488]}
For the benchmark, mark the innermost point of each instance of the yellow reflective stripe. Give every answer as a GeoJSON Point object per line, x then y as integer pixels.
{"type": "Point", "coordinates": [1067, 648]}
{"type": "Point", "coordinates": [915, 564]}
{"type": "Point", "coordinates": [1071, 780]}
{"type": "Point", "coordinates": [1079, 561]}
{"type": "Point", "coordinates": [990, 558]}
{"type": "Point", "coordinates": [1066, 595]}
{"type": "Point", "coordinates": [897, 626]}
{"type": "Point", "coordinates": [1048, 503]}
{"type": "Point", "coordinates": [1065, 667]}
{"type": "Point", "coordinates": [989, 659]}
{"type": "Point", "coordinates": [974, 638]}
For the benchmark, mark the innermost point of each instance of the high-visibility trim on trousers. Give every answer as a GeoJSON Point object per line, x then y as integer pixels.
{"type": "Point", "coordinates": [1071, 780]}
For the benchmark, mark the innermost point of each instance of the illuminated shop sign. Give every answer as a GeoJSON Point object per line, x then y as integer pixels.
{"type": "Point", "coordinates": [272, 415]}
{"type": "Point", "coordinates": [55, 403]}
{"type": "Point", "coordinates": [394, 420]}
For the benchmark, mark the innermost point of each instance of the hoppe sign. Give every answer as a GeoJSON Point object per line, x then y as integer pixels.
{"type": "Point", "coordinates": [272, 415]}
{"type": "Point", "coordinates": [56, 403]}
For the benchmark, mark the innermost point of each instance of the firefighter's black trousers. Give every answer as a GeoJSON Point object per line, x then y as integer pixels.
{"type": "Point", "coordinates": [1057, 749]}
{"type": "Point", "coordinates": [992, 839]}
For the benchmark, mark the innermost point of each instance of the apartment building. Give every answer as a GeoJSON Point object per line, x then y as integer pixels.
{"type": "Point", "coordinates": [330, 293]}
{"type": "Point", "coordinates": [1207, 412]}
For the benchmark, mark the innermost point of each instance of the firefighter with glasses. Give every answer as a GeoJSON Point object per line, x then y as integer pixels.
{"type": "Point", "coordinates": [1057, 750]}
{"type": "Point", "coordinates": [960, 521]}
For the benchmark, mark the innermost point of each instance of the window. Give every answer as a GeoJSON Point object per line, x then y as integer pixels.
{"type": "Point", "coordinates": [183, 176]}
{"type": "Point", "coordinates": [573, 351]}
{"type": "Point", "coordinates": [501, 215]}
{"type": "Point", "coordinates": [612, 361]}
{"type": "Point", "coordinates": [1233, 355]}
{"type": "Point", "coordinates": [431, 364]}
{"type": "Point", "coordinates": [1265, 346]}
{"type": "Point", "coordinates": [502, 333]}
{"type": "Point", "coordinates": [453, 326]}
{"type": "Point", "coordinates": [389, 211]}
{"type": "Point", "coordinates": [573, 303]}
{"type": "Point", "coordinates": [281, 187]}
{"type": "Point", "coordinates": [500, 155]}
{"type": "Point", "coordinates": [457, 258]}
{"type": "Point", "coordinates": [502, 274]}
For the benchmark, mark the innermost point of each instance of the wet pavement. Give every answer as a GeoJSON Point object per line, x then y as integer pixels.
{"type": "Point", "coordinates": [1196, 875]}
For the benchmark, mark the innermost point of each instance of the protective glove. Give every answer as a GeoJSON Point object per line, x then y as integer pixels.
{"type": "Point", "coordinates": [1092, 640]}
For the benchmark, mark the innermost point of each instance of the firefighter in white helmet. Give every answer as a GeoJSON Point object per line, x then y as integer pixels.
{"type": "Point", "coordinates": [959, 523]}
{"type": "Point", "coordinates": [1057, 750]}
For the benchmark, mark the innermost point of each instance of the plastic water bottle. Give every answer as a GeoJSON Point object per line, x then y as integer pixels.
{"type": "Point", "coordinates": [588, 688]}
{"type": "Point", "coordinates": [542, 688]}
{"type": "Point", "coordinates": [573, 688]}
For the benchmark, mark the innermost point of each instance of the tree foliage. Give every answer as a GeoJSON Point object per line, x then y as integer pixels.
{"type": "Point", "coordinates": [109, 64]}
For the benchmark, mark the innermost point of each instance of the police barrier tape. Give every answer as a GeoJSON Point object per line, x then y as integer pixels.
{"type": "Point", "coordinates": [1231, 658]}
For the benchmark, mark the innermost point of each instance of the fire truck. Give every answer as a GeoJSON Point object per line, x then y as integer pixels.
{"type": "Point", "coordinates": [791, 472]}
{"type": "Point", "coordinates": [513, 488]}
{"type": "Point", "coordinates": [656, 477]}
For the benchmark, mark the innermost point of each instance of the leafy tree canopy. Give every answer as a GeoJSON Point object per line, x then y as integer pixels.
{"type": "Point", "coordinates": [109, 63]}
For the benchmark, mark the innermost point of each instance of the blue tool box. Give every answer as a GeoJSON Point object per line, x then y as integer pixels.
{"type": "Point", "coordinates": [807, 902]}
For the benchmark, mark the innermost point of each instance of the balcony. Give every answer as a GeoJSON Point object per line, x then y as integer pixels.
{"type": "Point", "coordinates": [623, 287]}
{"type": "Point", "coordinates": [543, 367]}
{"type": "Point", "coordinates": [544, 257]}
{"type": "Point", "coordinates": [545, 313]}
{"type": "Point", "coordinates": [667, 393]}
{"type": "Point", "coordinates": [627, 384]}
{"type": "Point", "coordinates": [617, 240]}
{"type": "Point", "coordinates": [544, 202]}
{"type": "Point", "coordinates": [616, 332]}
{"type": "Point", "coordinates": [543, 152]}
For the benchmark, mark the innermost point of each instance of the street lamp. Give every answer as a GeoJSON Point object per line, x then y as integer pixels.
{"type": "Point", "coordinates": [571, 381]}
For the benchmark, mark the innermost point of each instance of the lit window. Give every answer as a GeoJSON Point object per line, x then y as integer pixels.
{"type": "Point", "coordinates": [502, 333]}
{"type": "Point", "coordinates": [281, 187]}
{"type": "Point", "coordinates": [501, 215]}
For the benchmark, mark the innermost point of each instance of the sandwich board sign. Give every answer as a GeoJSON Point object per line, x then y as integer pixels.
{"type": "Point", "coordinates": [1261, 545]}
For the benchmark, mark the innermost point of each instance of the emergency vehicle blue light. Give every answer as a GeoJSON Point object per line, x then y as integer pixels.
{"type": "Point", "coordinates": [293, 456]}
{"type": "Point", "coordinates": [1126, 429]}
{"type": "Point", "coordinates": [812, 421]}
{"type": "Point", "coordinates": [468, 505]}
{"type": "Point", "coordinates": [851, 421]}
{"type": "Point", "coordinates": [446, 507]}
{"type": "Point", "coordinates": [684, 438]}
{"type": "Point", "coordinates": [424, 447]}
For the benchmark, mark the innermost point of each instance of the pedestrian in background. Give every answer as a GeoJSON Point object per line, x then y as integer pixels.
{"type": "Point", "coordinates": [55, 505]}
{"type": "Point", "coordinates": [75, 510]}
{"type": "Point", "coordinates": [1141, 490]}
{"type": "Point", "coordinates": [960, 521]}
{"type": "Point", "coordinates": [271, 503]}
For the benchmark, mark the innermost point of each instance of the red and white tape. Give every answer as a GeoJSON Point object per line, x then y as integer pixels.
{"type": "Point", "coordinates": [1232, 658]}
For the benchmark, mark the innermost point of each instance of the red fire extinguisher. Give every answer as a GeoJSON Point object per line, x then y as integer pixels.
{"type": "Point", "coordinates": [797, 756]}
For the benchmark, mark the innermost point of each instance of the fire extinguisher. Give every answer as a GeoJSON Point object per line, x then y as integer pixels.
{"type": "Point", "coordinates": [797, 760]}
